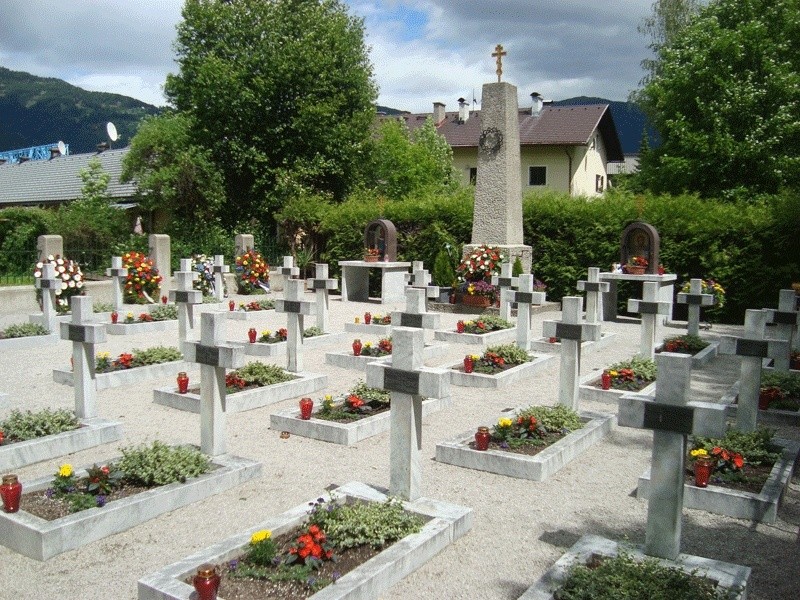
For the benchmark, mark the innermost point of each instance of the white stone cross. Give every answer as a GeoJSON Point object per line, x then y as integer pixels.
{"type": "Point", "coordinates": [753, 348]}
{"type": "Point", "coordinates": [594, 289]}
{"type": "Point", "coordinates": [649, 307]}
{"type": "Point", "coordinates": [408, 381]}
{"type": "Point", "coordinates": [84, 334]}
{"type": "Point", "coordinates": [214, 357]}
{"type": "Point", "coordinates": [295, 309]}
{"type": "Point", "coordinates": [120, 275]}
{"type": "Point", "coordinates": [185, 297]}
{"type": "Point", "coordinates": [571, 332]}
{"type": "Point", "coordinates": [420, 278]}
{"type": "Point", "coordinates": [49, 284]}
{"type": "Point", "coordinates": [288, 269]}
{"type": "Point", "coordinates": [506, 283]}
{"type": "Point", "coordinates": [219, 269]}
{"type": "Point", "coordinates": [524, 298]}
{"type": "Point", "coordinates": [416, 314]}
{"type": "Point", "coordinates": [786, 320]}
{"type": "Point", "coordinates": [321, 284]}
{"type": "Point", "coordinates": [671, 417]}
{"type": "Point", "coordinates": [695, 299]}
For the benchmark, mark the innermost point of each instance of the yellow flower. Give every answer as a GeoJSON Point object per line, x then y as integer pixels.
{"type": "Point", "coordinates": [328, 397]}
{"type": "Point", "coordinates": [474, 357]}
{"type": "Point", "coordinates": [103, 355]}
{"type": "Point", "coordinates": [266, 333]}
{"type": "Point", "coordinates": [368, 345]}
{"type": "Point", "coordinates": [613, 373]}
{"type": "Point", "coordinates": [260, 536]}
{"type": "Point", "coordinates": [65, 470]}
{"type": "Point", "coordinates": [699, 453]}
{"type": "Point", "coordinates": [504, 422]}
{"type": "Point", "coordinates": [129, 315]}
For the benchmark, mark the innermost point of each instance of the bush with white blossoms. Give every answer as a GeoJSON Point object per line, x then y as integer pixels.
{"type": "Point", "coordinates": [69, 273]}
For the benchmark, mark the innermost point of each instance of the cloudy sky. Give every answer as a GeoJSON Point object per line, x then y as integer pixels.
{"type": "Point", "coordinates": [422, 50]}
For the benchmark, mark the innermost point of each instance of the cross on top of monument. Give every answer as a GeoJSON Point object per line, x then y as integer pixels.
{"type": "Point", "coordinates": [499, 53]}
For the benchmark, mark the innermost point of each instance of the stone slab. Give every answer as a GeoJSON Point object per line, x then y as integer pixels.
{"type": "Point", "coordinates": [502, 379]}
{"type": "Point", "coordinates": [345, 434]}
{"type": "Point", "coordinates": [39, 539]}
{"type": "Point", "coordinates": [730, 576]}
{"type": "Point", "coordinates": [248, 315]}
{"type": "Point", "coordinates": [93, 432]}
{"type": "Point", "coordinates": [30, 341]}
{"type": "Point", "coordinates": [521, 466]}
{"type": "Point", "coordinates": [134, 328]}
{"type": "Point", "coordinates": [447, 523]}
{"type": "Point", "coordinates": [761, 507]}
{"type": "Point", "coordinates": [114, 379]}
{"type": "Point", "coordinates": [544, 345]}
{"type": "Point", "coordinates": [306, 383]}
{"type": "Point", "coordinates": [279, 348]}
{"type": "Point", "coordinates": [702, 358]}
{"type": "Point", "coordinates": [477, 339]}
{"type": "Point", "coordinates": [346, 360]}
{"type": "Point", "coordinates": [587, 391]}
{"type": "Point", "coordinates": [381, 331]}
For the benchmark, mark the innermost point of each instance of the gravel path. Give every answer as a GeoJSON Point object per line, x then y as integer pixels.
{"type": "Point", "coordinates": [520, 527]}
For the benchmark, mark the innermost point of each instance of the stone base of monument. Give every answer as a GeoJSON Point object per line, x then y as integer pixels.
{"type": "Point", "coordinates": [702, 358]}
{"type": "Point", "coordinates": [304, 384]}
{"type": "Point", "coordinates": [30, 341]}
{"type": "Point", "coordinates": [545, 345]}
{"type": "Point", "coordinates": [346, 360]}
{"type": "Point", "coordinates": [729, 576]}
{"type": "Point", "coordinates": [114, 379]}
{"type": "Point", "coordinates": [492, 338]}
{"type": "Point", "coordinates": [39, 539]}
{"type": "Point", "coordinates": [92, 432]}
{"type": "Point", "coordinates": [499, 380]}
{"type": "Point", "coordinates": [345, 434]}
{"type": "Point", "coordinates": [445, 524]}
{"type": "Point", "coordinates": [279, 348]}
{"type": "Point", "coordinates": [761, 507]}
{"type": "Point", "coordinates": [134, 328]}
{"type": "Point", "coordinates": [589, 389]}
{"type": "Point", "coordinates": [380, 331]}
{"type": "Point", "coordinates": [771, 416]}
{"type": "Point", "coordinates": [521, 466]}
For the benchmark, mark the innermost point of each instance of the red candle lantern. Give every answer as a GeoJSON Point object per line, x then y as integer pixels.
{"type": "Point", "coordinates": [206, 582]}
{"type": "Point", "coordinates": [553, 340]}
{"type": "Point", "coordinates": [660, 269]}
{"type": "Point", "coordinates": [469, 364]}
{"type": "Point", "coordinates": [482, 437]}
{"type": "Point", "coordinates": [306, 406]}
{"type": "Point", "coordinates": [164, 299]}
{"type": "Point", "coordinates": [231, 305]}
{"type": "Point", "coordinates": [605, 380]}
{"type": "Point", "coordinates": [11, 492]}
{"type": "Point", "coordinates": [252, 334]}
{"type": "Point", "coordinates": [702, 471]}
{"type": "Point", "coordinates": [367, 318]}
{"type": "Point", "coordinates": [356, 347]}
{"type": "Point", "coordinates": [114, 317]}
{"type": "Point", "coordinates": [460, 327]}
{"type": "Point", "coordinates": [183, 382]}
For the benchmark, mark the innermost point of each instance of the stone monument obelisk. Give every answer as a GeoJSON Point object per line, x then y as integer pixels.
{"type": "Point", "coordinates": [497, 216]}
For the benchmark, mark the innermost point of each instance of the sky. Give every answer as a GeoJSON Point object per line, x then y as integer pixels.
{"type": "Point", "coordinates": [422, 51]}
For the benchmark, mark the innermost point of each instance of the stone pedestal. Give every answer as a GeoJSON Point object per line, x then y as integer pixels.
{"type": "Point", "coordinates": [47, 245]}
{"type": "Point", "coordinates": [160, 253]}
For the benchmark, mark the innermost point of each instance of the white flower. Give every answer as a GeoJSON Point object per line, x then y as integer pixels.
{"type": "Point", "coordinates": [58, 292]}
{"type": "Point", "coordinates": [37, 273]}
{"type": "Point", "coordinates": [65, 277]}
{"type": "Point", "coordinates": [79, 284]}
{"type": "Point", "coordinates": [71, 284]}
{"type": "Point", "coordinates": [51, 258]}
{"type": "Point", "coordinates": [39, 265]}
{"type": "Point", "coordinates": [60, 261]}
{"type": "Point", "coordinates": [60, 269]}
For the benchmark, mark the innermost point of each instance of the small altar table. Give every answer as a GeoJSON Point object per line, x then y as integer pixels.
{"type": "Point", "coordinates": [355, 280]}
{"type": "Point", "coordinates": [666, 284]}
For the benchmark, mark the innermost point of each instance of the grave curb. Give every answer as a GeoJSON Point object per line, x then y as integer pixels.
{"type": "Point", "coordinates": [761, 507]}
{"type": "Point", "coordinates": [94, 432]}
{"type": "Point", "coordinates": [520, 466]}
{"type": "Point", "coordinates": [246, 315]}
{"type": "Point", "coordinates": [136, 328]}
{"type": "Point", "coordinates": [346, 360]}
{"type": "Point", "coordinates": [500, 380]}
{"type": "Point", "coordinates": [772, 417]}
{"type": "Point", "coordinates": [702, 358]}
{"type": "Point", "coordinates": [363, 328]}
{"type": "Point", "coordinates": [346, 434]}
{"type": "Point", "coordinates": [279, 348]}
{"type": "Point", "coordinates": [448, 522]}
{"type": "Point", "coordinates": [588, 392]}
{"type": "Point", "coordinates": [39, 539]}
{"type": "Point", "coordinates": [728, 575]}
{"type": "Point", "coordinates": [476, 339]}
{"type": "Point", "coordinates": [112, 379]}
{"type": "Point", "coordinates": [30, 341]}
{"type": "Point", "coordinates": [543, 345]}
{"type": "Point", "coordinates": [304, 383]}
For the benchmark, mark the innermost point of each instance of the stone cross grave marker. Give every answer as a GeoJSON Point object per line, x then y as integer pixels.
{"type": "Point", "coordinates": [416, 315]}
{"type": "Point", "coordinates": [524, 298]}
{"type": "Point", "coordinates": [288, 269]}
{"type": "Point", "coordinates": [421, 278]}
{"type": "Point", "coordinates": [649, 307]}
{"type": "Point", "coordinates": [787, 321]}
{"type": "Point", "coordinates": [594, 289]}
{"type": "Point", "coordinates": [119, 274]}
{"type": "Point", "coordinates": [214, 357]}
{"type": "Point", "coordinates": [295, 309]}
{"type": "Point", "coordinates": [49, 284]}
{"type": "Point", "coordinates": [571, 332]}
{"type": "Point", "coordinates": [408, 381]}
{"type": "Point", "coordinates": [321, 284]}
{"type": "Point", "coordinates": [84, 334]}
{"type": "Point", "coordinates": [219, 269]}
{"type": "Point", "coordinates": [185, 297]}
{"type": "Point", "coordinates": [506, 283]}
{"type": "Point", "coordinates": [695, 299]}
{"type": "Point", "coordinates": [753, 348]}
{"type": "Point", "coordinates": [672, 417]}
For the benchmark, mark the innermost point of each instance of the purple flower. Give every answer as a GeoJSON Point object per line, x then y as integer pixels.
{"type": "Point", "coordinates": [335, 575]}
{"type": "Point", "coordinates": [233, 564]}
{"type": "Point", "coordinates": [504, 445]}
{"type": "Point", "coordinates": [101, 500]}
{"type": "Point", "coordinates": [49, 492]}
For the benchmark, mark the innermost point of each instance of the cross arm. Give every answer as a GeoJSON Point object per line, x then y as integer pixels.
{"type": "Point", "coordinates": [536, 298]}
{"type": "Point", "coordinates": [571, 331]}
{"type": "Point", "coordinates": [694, 418]}
{"type": "Point", "coordinates": [89, 333]}
{"type": "Point", "coordinates": [300, 307]}
{"type": "Point", "coordinates": [222, 355]}
{"type": "Point", "coordinates": [186, 296]}
{"type": "Point", "coordinates": [729, 344]}
{"type": "Point", "coordinates": [645, 307]}
{"type": "Point", "coordinates": [323, 284]}
{"type": "Point", "coordinates": [594, 286]}
{"type": "Point", "coordinates": [697, 299]}
{"type": "Point", "coordinates": [428, 382]}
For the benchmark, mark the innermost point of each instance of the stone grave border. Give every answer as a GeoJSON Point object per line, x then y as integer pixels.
{"type": "Point", "coordinates": [500, 380]}
{"type": "Point", "coordinates": [770, 417]}
{"type": "Point", "coordinates": [3, 401]}
{"type": "Point", "coordinates": [543, 344]}
{"type": "Point", "coordinates": [92, 432]}
{"type": "Point", "coordinates": [345, 434]}
{"type": "Point", "coordinates": [99, 317]}
{"type": "Point", "coordinates": [303, 383]}
{"type": "Point", "coordinates": [346, 360]}
{"type": "Point", "coordinates": [521, 466]}
{"type": "Point", "coordinates": [364, 329]}
{"type": "Point", "coordinates": [279, 348]}
{"type": "Point", "coordinates": [136, 328]}
{"type": "Point", "coordinates": [476, 339]}
{"type": "Point", "coordinates": [447, 523]}
{"type": "Point", "coordinates": [247, 315]}
{"type": "Point", "coordinates": [761, 507]}
{"type": "Point", "coordinates": [122, 377]}
{"type": "Point", "coordinates": [30, 341]}
{"type": "Point", "coordinates": [702, 358]}
{"type": "Point", "coordinates": [728, 575]}
{"type": "Point", "coordinates": [39, 539]}
{"type": "Point", "coordinates": [588, 392]}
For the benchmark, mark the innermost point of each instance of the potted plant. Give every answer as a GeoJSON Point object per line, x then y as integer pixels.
{"type": "Point", "coordinates": [478, 293]}
{"type": "Point", "coordinates": [637, 265]}
{"type": "Point", "coordinates": [371, 254]}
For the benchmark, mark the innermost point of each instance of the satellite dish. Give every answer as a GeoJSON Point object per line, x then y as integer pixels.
{"type": "Point", "coordinates": [112, 131]}
{"type": "Point", "coordinates": [62, 148]}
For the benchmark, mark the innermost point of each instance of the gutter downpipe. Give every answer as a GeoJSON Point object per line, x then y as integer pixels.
{"type": "Point", "coordinates": [569, 171]}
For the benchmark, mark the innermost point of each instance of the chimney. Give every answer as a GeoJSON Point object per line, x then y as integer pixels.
{"type": "Point", "coordinates": [536, 104]}
{"type": "Point", "coordinates": [438, 112]}
{"type": "Point", "coordinates": [54, 152]}
{"type": "Point", "coordinates": [102, 147]}
{"type": "Point", "coordinates": [463, 110]}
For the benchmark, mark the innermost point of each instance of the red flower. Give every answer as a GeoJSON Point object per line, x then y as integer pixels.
{"type": "Point", "coordinates": [354, 401]}
{"type": "Point", "coordinates": [738, 460]}
{"type": "Point", "coordinates": [2, 436]}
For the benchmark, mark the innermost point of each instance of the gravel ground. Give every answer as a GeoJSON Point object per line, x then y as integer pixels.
{"type": "Point", "coordinates": [520, 527]}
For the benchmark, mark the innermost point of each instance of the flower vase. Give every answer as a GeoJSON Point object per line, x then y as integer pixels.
{"type": "Point", "coordinates": [460, 327]}
{"type": "Point", "coordinates": [605, 380]}
{"type": "Point", "coordinates": [482, 437]}
{"type": "Point", "coordinates": [306, 406]}
{"type": "Point", "coordinates": [183, 382]}
{"type": "Point", "coordinates": [252, 334]}
{"type": "Point", "coordinates": [114, 317]}
{"type": "Point", "coordinates": [635, 269]}
{"type": "Point", "coordinates": [370, 258]}
{"type": "Point", "coordinates": [367, 318]}
{"type": "Point", "coordinates": [702, 471]}
{"type": "Point", "coordinates": [357, 348]}
{"type": "Point", "coordinates": [469, 364]}
{"type": "Point", "coordinates": [231, 305]}
{"type": "Point", "coordinates": [206, 582]}
{"type": "Point", "coordinates": [478, 301]}
{"type": "Point", "coordinates": [11, 492]}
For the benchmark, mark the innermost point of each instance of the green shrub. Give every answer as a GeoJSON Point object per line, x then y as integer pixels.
{"type": "Point", "coordinates": [685, 344]}
{"type": "Point", "coordinates": [312, 332]}
{"type": "Point", "coordinates": [164, 312]}
{"type": "Point", "coordinates": [510, 353]}
{"type": "Point", "coordinates": [368, 394]}
{"type": "Point", "coordinates": [101, 307]}
{"type": "Point", "coordinates": [789, 383]}
{"type": "Point", "coordinates": [553, 418]}
{"type": "Point", "coordinates": [444, 271]}
{"type": "Point", "coordinates": [159, 464]}
{"type": "Point", "coordinates": [642, 367]}
{"type": "Point", "coordinates": [23, 330]}
{"type": "Point", "coordinates": [756, 446]}
{"type": "Point", "coordinates": [20, 426]}
{"type": "Point", "coordinates": [516, 268]}
{"type": "Point", "coordinates": [155, 355]}
{"type": "Point", "coordinates": [261, 374]}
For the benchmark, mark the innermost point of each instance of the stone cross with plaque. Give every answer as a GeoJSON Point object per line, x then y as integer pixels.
{"type": "Point", "coordinates": [420, 278]}
{"type": "Point", "coordinates": [219, 269]}
{"type": "Point", "coordinates": [695, 299]}
{"type": "Point", "coordinates": [295, 309]}
{"type": "Point", "coordinates": [288, 270]}
{"type": "Point", "coordinates": [506, 283]}
{"type": "Point", "coordinates": [120, 275]}
{"type": "Point", "coordinates": [185, 297]}
{"type": "Point", "coordinates": [415, 314]}
{"type": "Point", "coordinates": [49, 283]}
{"type": "Point", "coordinates": [84, 334]}
{"type": "Point", "coordinates": [525, 297]}
{"type": "Point", "coordinates": [786, 320]}
{"type": "Point", "coordinates": [594, 289]}
{"type": "Point", "coordinates": [649, 307]}
{"type": "Point", "coordinates": [321, 284]}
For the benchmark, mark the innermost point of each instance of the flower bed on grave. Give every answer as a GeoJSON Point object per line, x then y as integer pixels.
{"type": "Point", "coordinates": [532, 429]}
{"type": "Point", "coordinates": [268, 337]}
{"type": "Point", "coordinates": [21, 426]}
{"type": "Point", "coordinates": [158, 313]}
{"type": "Point", "coordinates": [483, 325]}
{"type": "Point", "coordinates": [128, 367]}
{"type": "Point", "coordinates": [497, 367]}
{"type": "Point", "coordinates": [383, 348]}
{"type": "Point", "coordinates": [631, 375]}
{"type": "Point", "coordinates": [138, 358]}
{"type": "Point", "coordinates": [359, 403]}
{"type": "Point", "coordinates": [257, 305]}
{"type": "Point", "coordinates": [496, 359]}
{"type": "Point", "coordinates": [684, 344]}
{"type": "Point", "coordinates": [22, 330]}
{"type": "Point", "coordinates": [251, 376]}
{"type": "Point", "coordinates": [376, 319]}
{"type": "Point", "coordinates": [779, 391]}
